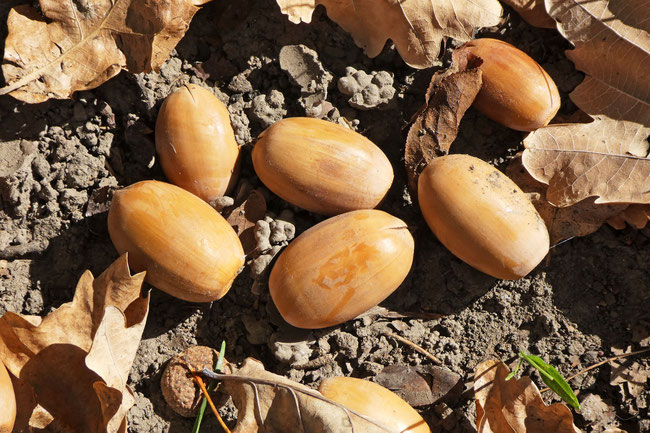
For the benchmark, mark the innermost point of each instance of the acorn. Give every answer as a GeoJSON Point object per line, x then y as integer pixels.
{"type": "Point", "coordinates": [187, 248]}
{"type": "Point", "coordinates": [195, 143]}
{"type": "Point", "coordinates": [322, 167]}
{"type": "Point", "coordinates": [375, 402]}
{"type": "Point", "coordinates": [340, 268]}
{"type": "Point", "coordinates": [7, 401]}
{"type": "Point", "coordinates": [482, 216]}
{"type": "Point", "coordinates": [516, 91]}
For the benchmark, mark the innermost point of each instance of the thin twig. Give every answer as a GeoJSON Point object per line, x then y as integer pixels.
{"type": "Point", "coordinates": [288, 387]}
{"type": "Point", "coordinates": [414, 346]}
{"type": "Point", "coordinates": [197, 378]}
{"type": "Point", "coordinates": [598, 364]}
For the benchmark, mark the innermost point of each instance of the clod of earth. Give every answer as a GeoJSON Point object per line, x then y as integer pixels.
{"type": "Point", "coordinates": [321, 166]}
{"type": "Point", "coordinates": [187, 248]}
{"type": "Point", "coordinates": [196, 143]}
{"type": "Point", "coordinates": [482, 216]}
{"type": "Point", "coordinates": [340, 268]}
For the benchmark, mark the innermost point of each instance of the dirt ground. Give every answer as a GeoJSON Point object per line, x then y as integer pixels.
{"type": "Point", "coordinates": [589, 297]}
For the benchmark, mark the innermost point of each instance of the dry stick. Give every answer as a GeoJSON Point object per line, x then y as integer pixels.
{"type": "Point", "coordinates": [414, 346]}
{"type": "Point", "coordinates": [199, 382]}
{"type": "Point", "coordinates": [598, 364]}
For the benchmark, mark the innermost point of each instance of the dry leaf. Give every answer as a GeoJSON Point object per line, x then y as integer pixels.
{"type": "Point", "coordinates": [436, 124]}
{"type": "Point", "coordinates": [630, 376]}
{"type": "Point", "coordinates": [272, 408]}
{"type": "Point", "coordinates": [612, 40]}
{"type": "Point", "coordinates": [244, 217]}
{"type": "Point", "coordinates": [75, 46]}
{"type": "Point", "coordinates": [515, 406]}
{"type": "Point", "coordinates": [417, 27]}
{"type": "Point", "coordinates": [636, 215]}
{"type": "Point", "coordinates": [607, 159]}
{"type": "Point", "coordinates": [72, 365]}
{"type": "Point", "coordinates": [581, 219]}
{"type": "Point", "coordinates": [533, 12]}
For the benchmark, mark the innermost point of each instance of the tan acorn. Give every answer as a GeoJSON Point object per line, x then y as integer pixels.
{"type": "Point", "coordinates": [340, 268]}
{"type": "Point", "coordinates": [482, 216]}
{"type": "Point", "coordinates": [7, 401]}
{"type": "Point", "coordinates": [196, 144]}
{"type": "Point", "coordinates": [187, 248]}
{"type": "Point", "coordinates": [374, 401]}
{"type": "Point", "coordinates": [321, 166]}
{"type": "Point", "coordinates": [516, 91]}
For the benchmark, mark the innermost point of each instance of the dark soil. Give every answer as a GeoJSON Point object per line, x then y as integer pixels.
{"type": "Point", "coordinates": [589, 297]}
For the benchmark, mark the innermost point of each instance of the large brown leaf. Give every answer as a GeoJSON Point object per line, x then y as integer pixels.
{"type": "Point", "coordinates": [607, 158]}
{"type": "Point", "coordinates": [612, 46]}
{"type": "Point", "coordinates": [533, 12]}
{"type": "Point", "coordinates": [72, 365]}
{"type": "Point", "coordinates": [515, 405]}
{"type": "Point", "coordinates": [416, 26]}
{"type": "Point", "coordinates": [78, 45]}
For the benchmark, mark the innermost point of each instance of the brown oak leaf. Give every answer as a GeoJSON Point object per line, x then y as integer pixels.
{"type": "Point", "coordinates": [70, 367]}
{"type": "Point", "coordinates": [70, 46]}
{"type": "Point", "coordinates": [417, 27]}
{"type": "Point", "coordinates": [515, 405]}
{"type": "Point", "coordinates": [636, 215]}
{"type": "Point", "coordinates": [533, 12]}
{"type": "Point", "coordinates": [243, 218]}
{"type": "Point", "coordinates": [607, 159]}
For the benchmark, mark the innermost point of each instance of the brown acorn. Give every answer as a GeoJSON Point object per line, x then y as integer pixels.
{"type": "Point", "coordinates": [340, 268]}
{"type": "Point", "coordinates": [516, 91]}
{"type": "Point", "coordinates": [7, 401]}
{"type": "Point", "coordinates": [321, 166]}
{"type": "Point", "coordinates": [482, 216]}
{"type": "Point", "coordinates": [196, 144]}
{"type": "Point", "coordinates": [187, 248]}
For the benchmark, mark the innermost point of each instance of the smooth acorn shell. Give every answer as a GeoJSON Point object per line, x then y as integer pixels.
{"type": "Point", "coordinates": [187, 248]}
{"type": "Point", "coordinates": [482, 216]}
{"type": "Point", "coordinates": [516, 91]}
{"type": "Point", "coordinates": [375, 402]}
{"type": "Point", "coordinates": [196, 144]}
{"type": "Point", "coordinates": [321, 166]}
{"type": "Point", "coordinates": [340, 268]}
{"type": "Point", "coordinates": [7, 401]}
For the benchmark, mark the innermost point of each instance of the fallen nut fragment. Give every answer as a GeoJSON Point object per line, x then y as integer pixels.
{"type": "Point", "coordinates": [178, 387]}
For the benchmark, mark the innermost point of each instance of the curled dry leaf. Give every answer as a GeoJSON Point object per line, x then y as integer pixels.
{"type": "Point", "coordinates": [276, 406]}
{"type": "Point", "coordinates": [607, 158]}
{"type": "Point", "coordinates": [72, 365]}
{"type": "Point", "coordinates": [515, 406]}
{"type": "Point", "coordinates": [581, 219]}
{"type": "Point", "coordinates": [533, 12]}
{"type": "Point", "coordinates": [435, 125]}
{"type": "Point", "coordinates": [75, 46]}
{"type": "Point", "coordinates": [417, 27]}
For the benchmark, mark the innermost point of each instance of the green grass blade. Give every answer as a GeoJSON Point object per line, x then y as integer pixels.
{"type": "Point", "coordinates": [553, 379]}
{"type": "Point", "coordinates": [204, 401]}
{"type": "Point", "coordinates": [516, 370]}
